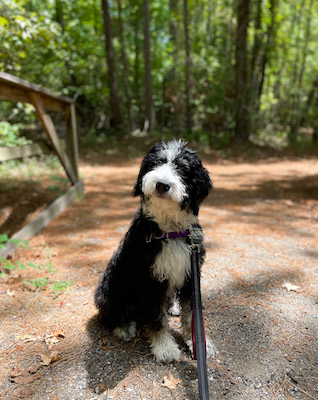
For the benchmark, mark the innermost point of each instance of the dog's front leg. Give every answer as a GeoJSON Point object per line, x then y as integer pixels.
{"type": "Point", "coordinates": [186, 321]}
{"type": "Point", "coordinates": [163, 345]}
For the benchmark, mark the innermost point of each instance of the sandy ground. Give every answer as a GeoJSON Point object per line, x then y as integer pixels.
{"type": "Point", "coordinates": [259, 289]}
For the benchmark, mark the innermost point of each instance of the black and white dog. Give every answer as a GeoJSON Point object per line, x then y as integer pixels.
{"type": "Point", "coordinates": [152, 266]}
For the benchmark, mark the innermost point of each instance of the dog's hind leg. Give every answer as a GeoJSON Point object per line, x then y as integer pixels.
{"type": "Point", "coordinates": [127, 332]}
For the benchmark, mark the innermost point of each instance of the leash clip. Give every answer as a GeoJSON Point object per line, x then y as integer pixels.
{"type": "Point", "coordinates": [194, 246]}
{"type": "Point", "coordinates": [152, 236]}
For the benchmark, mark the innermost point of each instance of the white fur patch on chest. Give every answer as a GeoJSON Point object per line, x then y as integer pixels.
{"type": "Point", "coordinates": [168, 215]}
{"type": "Point", "coordinates": [173, 263]}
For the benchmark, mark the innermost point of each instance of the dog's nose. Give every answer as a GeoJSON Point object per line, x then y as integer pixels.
{"type": "Point", "coordinates": [162, 187]}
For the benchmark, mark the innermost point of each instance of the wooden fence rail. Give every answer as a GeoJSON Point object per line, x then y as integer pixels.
{"type": "Point", "coordinates": [20, 90]}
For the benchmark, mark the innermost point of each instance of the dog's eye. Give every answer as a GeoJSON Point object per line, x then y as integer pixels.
{"type": "Point", "coordinates": [163, 160]}
{"type": "Point", "coordinates": [182, 163]}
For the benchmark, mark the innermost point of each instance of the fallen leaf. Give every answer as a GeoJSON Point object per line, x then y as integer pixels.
{"type": "Point", "coordinates": [15, 372]}
{"type": "Point", "coordinates": [47, 360]}
{"type": "Point", "coordinates": [23, 380]}
{"type": "Point", "coordinates": [25, 393]}
{"type": "Point", "coordinates": [170, 382]}
{"type": "Point", "coordinates": [27, 338]}
{"type": "Point", "coordinates": [53, 338]}
{"type": "Point", "coordinates": [34, 369]}
{"type": "Point", "coordinates": [290, 287]}
{"type": "Point", "coordinates": [23, 377]}
{"type": "Point", "coordinates": [288, 203]}
{"type": "Point", "coordinates": [59, 334]}
{"type": "Point", "coordinates": [51, 342]}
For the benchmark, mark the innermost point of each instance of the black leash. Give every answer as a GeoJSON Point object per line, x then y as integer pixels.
{"type": "Point", "coordinates": [198, 334]}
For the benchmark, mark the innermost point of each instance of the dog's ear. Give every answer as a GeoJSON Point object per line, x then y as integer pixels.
{"type": "Point", "coordinates": [146, 165]}
{"type": "Point", "coordinates": [199, 187]}
{"type": "Point", "coordinates": [137, 188]}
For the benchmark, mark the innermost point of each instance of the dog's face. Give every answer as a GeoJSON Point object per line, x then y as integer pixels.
{"type": "Point", "coordinates": [172, 171]}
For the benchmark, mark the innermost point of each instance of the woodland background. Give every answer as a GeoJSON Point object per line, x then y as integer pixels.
{"type": "Point", "coordinates": [237, 79]}
{"type": "Point", "coordinates": [209, 70]}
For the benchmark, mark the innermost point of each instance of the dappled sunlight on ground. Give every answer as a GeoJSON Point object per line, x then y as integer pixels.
{"type": "Point", "coordinates": [260, 224]}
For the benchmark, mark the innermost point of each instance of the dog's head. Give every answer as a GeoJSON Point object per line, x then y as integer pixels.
{"type": "Point", "coordinates": [174, 172]}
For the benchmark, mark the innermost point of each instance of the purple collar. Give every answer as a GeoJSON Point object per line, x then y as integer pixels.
{"type": "Point", "coordinates": [168, 235]}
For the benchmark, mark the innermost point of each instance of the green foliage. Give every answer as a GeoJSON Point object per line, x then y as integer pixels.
{"type": "Point", "coordinates": [59, 286]}
{"type": "Point", "coordinates": [17, 172]}
{"type": "Point", "coordinates": [38, 283]}
{"type": "Point", "coordinates": [65, 51]}
{"type": "Point", "coordinates": [16, 265]}
{"type": "Point", "coordinates": [9, 135]}
{"type": "Point", "coordinates": [55, 286]}
{"type": "Point", "coordinates": [4, 239]}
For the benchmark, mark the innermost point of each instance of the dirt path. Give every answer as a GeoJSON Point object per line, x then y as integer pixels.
{"type": "Point", "coordinates": [260, 224]}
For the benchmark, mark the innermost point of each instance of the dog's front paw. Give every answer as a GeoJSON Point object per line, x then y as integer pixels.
{"type": "Point", "coordinates": [210, 348]}
{"type": "Point", "coordinates": [164, 347]}
{"type": "Point", "coordinates": [166, 354]}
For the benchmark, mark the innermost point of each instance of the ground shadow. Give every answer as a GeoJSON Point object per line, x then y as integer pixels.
{"type": "Point", "coordinates": [110, 362]}
{"type": "Point", "coordinates": [294, 189]}
{"type": "Point", "coordinates": [264, 340]}
{"type": "Point", "coordinates": [21, 202]}
{"type": "Point", "coordinates": [107, 362]}
{"type": "Point", "coordinates": [255, 352]}
{"type": "Point", "coordinates": [23, 196]}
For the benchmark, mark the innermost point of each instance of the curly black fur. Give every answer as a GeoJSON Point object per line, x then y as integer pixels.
{"type": "Point", "coordinates": [129, 290]}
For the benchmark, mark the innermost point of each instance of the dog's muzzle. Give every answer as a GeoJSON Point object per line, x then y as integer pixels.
{"type": "Point", "coordinates": [162, 188]}
{"type": "Point", "coordinates": [164, 182]}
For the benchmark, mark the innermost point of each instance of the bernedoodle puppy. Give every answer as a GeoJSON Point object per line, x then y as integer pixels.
{"type": "Point", "coordinates": [152, 266]}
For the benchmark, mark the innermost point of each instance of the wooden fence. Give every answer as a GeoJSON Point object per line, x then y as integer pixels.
{"type": "Point", "coordinates": [19, 90]}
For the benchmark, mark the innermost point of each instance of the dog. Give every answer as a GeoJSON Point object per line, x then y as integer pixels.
{"type": "Point", "coordinates": [151, 266]}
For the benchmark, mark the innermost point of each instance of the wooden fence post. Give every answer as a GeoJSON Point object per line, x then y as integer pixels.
{"type": "Point", "coordinates": [50, 130]}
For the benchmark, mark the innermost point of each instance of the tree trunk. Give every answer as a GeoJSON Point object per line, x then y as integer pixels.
{"type": "Point", "coordinates": [256, 57]}
{"type": "Point", "coordinates": [59, 18]}
{"type": "Point", "coordinates": [110, 57]}
{"type": "Point", "coordinates": [315, 125]}
{"type": "Point", "coordinates": [210, 31]}
{"type": "Point", "coordinates": [309, 102]}
{"type": "Point", "coordinates": [299, 12]}
{"type": "Point", "coordinates": [136, 84]}
{"type": "Point", "coordinates": [174, 82]}
{"type": "Point", "coordinates": [59, 13]}
{"type": "Point", "coordinates": [125, 68]}
{"type": "Point", "coordinates": [150, 117]}
{"type": "Point", "coordinates": [270, 34]}
{"type": "Point", "coordinates": [96, 17]}
{"type": "Point", "coordinates": [296, 121]}
{"type": "Point", "coordinates": [187, 66]}
{"type": "Point", "coordinates": [242, 107]}
{"type": "Point", "coordinates": [281, 63]}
